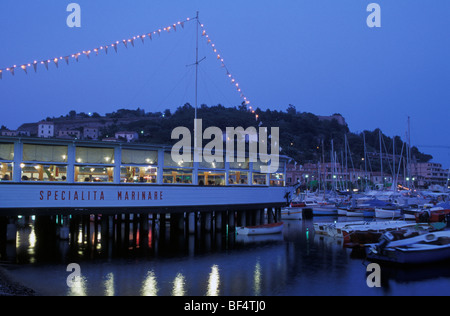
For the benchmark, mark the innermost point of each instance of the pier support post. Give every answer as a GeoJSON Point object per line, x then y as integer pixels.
{"type": "Point", "coordinates": [105, 227]}
{"type": "Point", "coordinates": [231, 222]}
{"type": "Point", "coordinates": [11, 230]}
{"type": "Point", "coordinates": [261, 217]}
{"type": "Point", "coordinates": [243, 220]}
{"type": "Point", "coordinates": [162, 226]}
{"type": "Point", "coordinates": [192, 222]}
{"type": "Point", "coordinates": [207, 221]}
{"type": "Point", "coordinates": [3, 224]}
{"type": "Point", "coordinates": [257, 217]}
{"type": "Point", "coordinates": [218, 220]}
{"type": "Point", "coordinates": [269, 215]}
{"type": "Point", "coordinates": [176, 223]}
{"type": "Point", "coordinates": [64, 230]}
{"type": "Point", "coordinates": [143, 229]}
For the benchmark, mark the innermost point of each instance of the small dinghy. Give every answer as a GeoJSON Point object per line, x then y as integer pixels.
{"type": "Point", "coordinates": [291, 213]}
{"type": "Point", "coordinates": [266, 229]}
{"type": "Point", "coordinates": [427, 248]}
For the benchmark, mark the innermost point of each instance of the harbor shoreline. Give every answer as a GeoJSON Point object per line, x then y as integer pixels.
{"type": "Point", "coordinates": [9, 287]}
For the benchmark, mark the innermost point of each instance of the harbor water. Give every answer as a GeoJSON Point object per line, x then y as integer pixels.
{"type": "Point", "coordinates": [293, 263]}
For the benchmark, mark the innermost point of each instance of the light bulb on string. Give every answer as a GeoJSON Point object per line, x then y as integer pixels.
{"type": "Point", "coordinates": [96, 50]}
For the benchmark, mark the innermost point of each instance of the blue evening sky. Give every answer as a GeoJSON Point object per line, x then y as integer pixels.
{"type": "Point", "coordinates": [318, 55]}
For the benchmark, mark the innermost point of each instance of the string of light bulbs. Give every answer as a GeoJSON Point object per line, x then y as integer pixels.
{"type": "Point", "coordinates": [96, 50]}
{"type": "Point", "coordinates": [126, 42]}
{"type": "Point", "coordinates": [232, 79]}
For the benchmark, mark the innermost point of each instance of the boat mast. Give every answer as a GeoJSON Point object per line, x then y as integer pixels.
{"type": "Point", "coordinates": [196, 149]}
{"type": "Point", "coordinates": [365, 160]}
{"type": "Point", "coordinates": [324, 179]}
{"type": "Point", "coordinates": [347, 176]}
{"type": "Point", "coordinates": [408, 156]}
{"type": "Point", "coordinates": [394, 185]}
{"type": "Point", "coordinates": [196, 69]}
{"type": "Point", "coordinates": [381, 159]}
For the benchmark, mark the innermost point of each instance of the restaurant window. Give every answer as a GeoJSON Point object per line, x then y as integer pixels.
{"type": "Point", "coordinates": [211, 177]}
{"type": "Point", "coordinates": [211, 165]}
{"type": "Point", "coordinates": [139, 157]}
{"type": "Point", "coordinates": [43, 172]}
{"type": "Point", "coordinates": [6, 164]}
{"type": "Point", "coordinates": [169, 162]}
{"type": "Point", "coordinates": [237, 177]}
{"type": "Point", "coordinates": [6, 171]}
{"type": "Point", "coordinates": [239, 165]}
{"type": "Point", "coordinates": [177, 176]}
{"type": "Point", "coordinates": [91, 155]}
{"type": "Point", "coordinates": [259, 178]}
{"type": "Point", "coordinates": [138, 174]}
{"type": "Point", "coordinates": [139, 166]}
{"type": "Point", "coordinates": [44, 153]}
{"type": "Point", "coordinates": [277, 178]}
{"type": "Point", "coordinates": [94, 174]}
{"type": "Point", "coordinates": [7, 152]}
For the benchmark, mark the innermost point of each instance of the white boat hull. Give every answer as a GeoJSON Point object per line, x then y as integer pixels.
{"type": "Point", "coordinates": [323, 210]}
{"type": "Point", "coordinates": [415, 250]}
{"type": "Point", "coordinates": [382, 213]}
{"type": "Point", "coordinates": [291, 213]}
{"type": "Point", "coordinates": [267, 229]}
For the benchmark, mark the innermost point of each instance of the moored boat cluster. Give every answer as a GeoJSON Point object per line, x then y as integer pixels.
{"type": "Point", "coordinates": [401, 228]}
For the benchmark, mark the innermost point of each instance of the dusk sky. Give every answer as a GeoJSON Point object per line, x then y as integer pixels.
{"type": "Point", "coordinates": [318, 55]}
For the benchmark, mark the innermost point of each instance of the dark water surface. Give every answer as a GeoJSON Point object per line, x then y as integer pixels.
{"type": "Point", "coordinates": [296, 262]}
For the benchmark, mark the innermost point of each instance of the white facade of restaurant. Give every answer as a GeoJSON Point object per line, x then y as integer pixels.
{"type": "Point", "coordinates": [56, 173]}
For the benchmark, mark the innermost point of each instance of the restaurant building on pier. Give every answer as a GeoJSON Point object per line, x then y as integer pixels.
{"type": "Point", "coordinates": [62, 173]}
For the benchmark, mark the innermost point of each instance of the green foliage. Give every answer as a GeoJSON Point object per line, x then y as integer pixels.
{"type": "Point", "coordinates": [303, 136]}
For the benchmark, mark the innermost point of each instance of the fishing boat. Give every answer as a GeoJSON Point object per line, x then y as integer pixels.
{"type": "Point", "coordinates": [421, 249]}
{"type": "Point", "coordinates": [432, 215]}
{"type": "Point", "coordinates": [266, 229]}
{"type": "Point", "coordinates": [399, 229]}
{"type": "Point", "coordinates": [411, 213]}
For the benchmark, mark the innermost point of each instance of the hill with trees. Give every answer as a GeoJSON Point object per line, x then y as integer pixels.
{"type": "Point", "coordinates": [303, 136]}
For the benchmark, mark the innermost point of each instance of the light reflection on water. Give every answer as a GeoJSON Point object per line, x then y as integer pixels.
{"type": "Point", "coordinates": [297, 262]}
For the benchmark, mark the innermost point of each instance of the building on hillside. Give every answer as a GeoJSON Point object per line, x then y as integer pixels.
{"type": "Point", "coordinates": [73, 133]}
{"type": "Point", "coordinates": [128, 136]}
{"type": "Point", "coordinates": [424, 174]}
{"type": "Point", "coordinates": [7, 132]}
{"type": "Point", "coordinates": [46, 129]}
{"type": "Point", "coordinates": [90, 133]}
{"type": "Point", "coordinates": [338, 117]}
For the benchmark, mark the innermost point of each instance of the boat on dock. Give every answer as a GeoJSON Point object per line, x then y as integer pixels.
{"type": "Point", "coordinates": [427, 248]}
{"type": "Point", "coordinates": [266, 229]}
